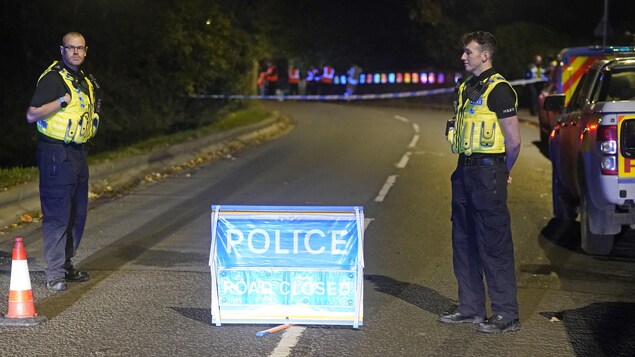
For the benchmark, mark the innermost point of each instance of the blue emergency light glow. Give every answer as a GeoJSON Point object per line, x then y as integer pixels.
{"type": "Point", "coordinates": [403, 77]}
{"type": "Point", "coordinates": [424, 78]}
{"type": "Point", "coordinates": [619, 49]}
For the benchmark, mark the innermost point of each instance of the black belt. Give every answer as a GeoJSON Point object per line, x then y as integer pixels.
{"type": "Point", "coordinates": [482, 159]}
{"type": "Point", "coordinates": [49, 140]}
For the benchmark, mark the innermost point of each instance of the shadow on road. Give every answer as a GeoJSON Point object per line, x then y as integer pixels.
{"type": "Point", "coordinates": [196, 314]}
{"type": "Point", "coordinates": [417, 295]}
{"type": "Point", "coordinates": [566, 235]}
{"type": "Point", "coordinates": [543, 148]}
{"type": "Point", "coordinates": [599, 329]}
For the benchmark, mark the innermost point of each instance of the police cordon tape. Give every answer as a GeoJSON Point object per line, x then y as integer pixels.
{"type": "Point", "coordinates": [329, 97]}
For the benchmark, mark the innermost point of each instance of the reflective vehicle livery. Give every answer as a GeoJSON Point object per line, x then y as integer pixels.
{"type": "Point", "coordinates": [592, 150]}
{"type": "Point", "coordinates": [564, 77]}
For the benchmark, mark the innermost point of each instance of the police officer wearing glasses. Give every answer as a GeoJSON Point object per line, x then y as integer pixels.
{"type": "Point", "coordinates": [485, 135]}
{"type": "Point", "coordinates": [64, 110]}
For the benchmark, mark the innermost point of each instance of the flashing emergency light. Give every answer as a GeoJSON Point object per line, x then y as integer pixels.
{"type": "Point", "coordinates": [613, 49]}
{"type": "Point", "coordinates": [424, 77]}
{"type": "Point", "coordinates": [441, 78]}
{"type": "Point", "coordinates": [399, 77]}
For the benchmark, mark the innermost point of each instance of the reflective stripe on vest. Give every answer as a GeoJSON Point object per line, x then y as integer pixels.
{"type": "Point", "coordinates": [77, 122]}
{"type": "Point", "coordinates": [294, 76]}
{"type": "Point", "coordinates": [328, 74]}
{"type": "Point", "coordinates": [477, 129]}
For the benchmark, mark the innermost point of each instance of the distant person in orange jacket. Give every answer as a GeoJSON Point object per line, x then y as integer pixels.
{"type": "Point", "coordinates": [271, 76]}
{"type": "Point", "coordinates": [293, 80]}
{"type": "Point", "coordinates": [326, 80]}
{"type": "Point", "coordinates": [261, 82]}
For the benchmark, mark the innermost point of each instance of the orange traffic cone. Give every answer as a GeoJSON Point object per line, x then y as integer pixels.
{"type": "Point", "coordinates": [21, 307]}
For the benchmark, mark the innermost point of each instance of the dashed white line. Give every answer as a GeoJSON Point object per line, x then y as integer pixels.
{"type": "Point", "coordinates": [404, 160]}
{"type": "Point", "coordinates": [289, 339]}
{"type": "Point", "coordinates": [384, 190]}
{"type": "Point", "coordinates": [399, 117]}
{"type": "Point", "coordinates": [414, 140]}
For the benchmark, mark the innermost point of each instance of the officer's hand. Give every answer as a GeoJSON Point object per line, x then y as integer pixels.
{"type": "Point", "coordinates": [67, 97]}
{"type": "Point", "coordinates": [509, 180]}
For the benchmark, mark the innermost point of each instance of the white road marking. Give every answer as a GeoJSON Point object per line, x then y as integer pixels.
{"type": "Point", "coordinates": [384, 190]}
{"type": "Point", "coordinates": [415, 127]}
{"type": "Point", "coordinates": [404, 119]}
{"type": "Point", "coordinates": [367, 222]}
{"type": "Point", "coordinates": [289, 339]}
{"type": "Point", "coordinates": [413, 142]}
{"type": "Point", "coordinates": [404, 160]}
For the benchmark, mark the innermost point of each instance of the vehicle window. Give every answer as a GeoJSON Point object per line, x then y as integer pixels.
{"type": "Point", "coordinates": [577, 101]}
{"type": "Point", "coordinates": [618, 84]}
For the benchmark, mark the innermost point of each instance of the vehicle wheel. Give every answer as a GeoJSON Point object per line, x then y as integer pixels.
{"type": "Point", "coordinates": [563, 208]}
{"type": "Point", "coordinates": [598, 244]}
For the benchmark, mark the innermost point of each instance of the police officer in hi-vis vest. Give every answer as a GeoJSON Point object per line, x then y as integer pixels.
{"type": "Point", "coordinates": [65, 110]}
{"type": "Point", "coordinates": [485, 135]}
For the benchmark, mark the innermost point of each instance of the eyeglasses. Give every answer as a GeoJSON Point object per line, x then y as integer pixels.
{"type": "Point", "coordinates": [75, 48]}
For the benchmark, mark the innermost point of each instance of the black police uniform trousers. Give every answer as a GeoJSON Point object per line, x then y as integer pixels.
{"type": "Point", "coordinates": [64, 201]}
{"type": "Point", "coordinates": [481, 236]}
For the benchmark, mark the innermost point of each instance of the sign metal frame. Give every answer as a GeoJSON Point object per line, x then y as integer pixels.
{"type": "Point", "coordinates": [223, 312]}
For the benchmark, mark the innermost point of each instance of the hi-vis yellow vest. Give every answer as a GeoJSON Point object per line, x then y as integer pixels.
{"type": "Point", "coordinates": [476, 127]}
{"type": "Point", "coordinates": [76, 123]}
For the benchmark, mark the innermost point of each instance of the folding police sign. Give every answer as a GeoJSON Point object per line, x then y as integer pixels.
{"type": "Point", "coordinates": [287, 264]}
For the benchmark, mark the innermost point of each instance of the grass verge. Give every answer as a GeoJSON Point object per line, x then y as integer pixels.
{"type": "Point", "coordinates": [10, 177]}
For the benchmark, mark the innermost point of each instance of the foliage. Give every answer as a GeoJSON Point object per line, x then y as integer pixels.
{"type": "Point", "coordinates": [150, 55]}
{"type": "Point", "coordinates": [148, 62]}
{"type": "Point", "coordinates": [229, 119]}
{"type": "Point", "coordinates": [17, 175]}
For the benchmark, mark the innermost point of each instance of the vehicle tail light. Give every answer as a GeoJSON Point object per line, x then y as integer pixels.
{"type": "Point", "coordinates": [607, 138]}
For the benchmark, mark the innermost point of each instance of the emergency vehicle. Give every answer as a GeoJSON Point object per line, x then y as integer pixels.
{"type": "Point", "coordinates": [592, 152]}
{"type": "Point", "coordinates": [565, 75]}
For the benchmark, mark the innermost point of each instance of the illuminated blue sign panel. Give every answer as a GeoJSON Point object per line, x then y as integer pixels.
{"type": "Point", "coordinates": [273, 264]}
